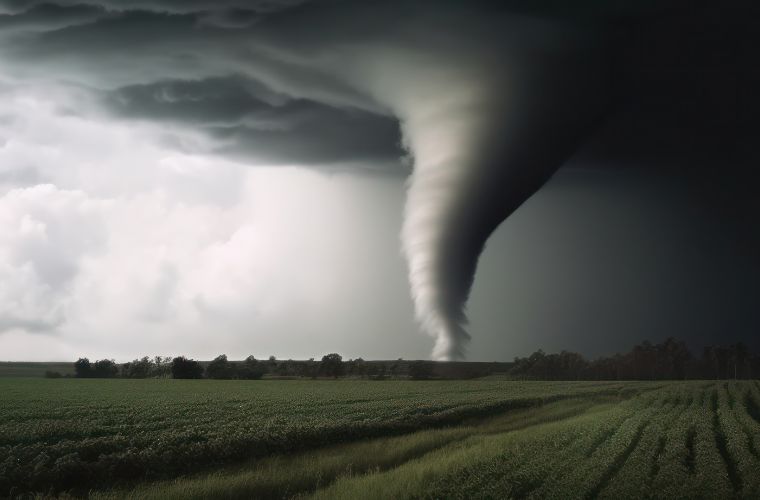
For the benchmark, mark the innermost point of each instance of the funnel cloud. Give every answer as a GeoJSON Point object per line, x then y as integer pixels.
{"type": "Point", "coordinates": [485, 127]}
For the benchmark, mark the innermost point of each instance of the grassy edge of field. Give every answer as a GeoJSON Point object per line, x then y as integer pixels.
{"type": "Point", "coordinates": [415, 478]}
{"type": "Point", "coordinates": [308, 472]}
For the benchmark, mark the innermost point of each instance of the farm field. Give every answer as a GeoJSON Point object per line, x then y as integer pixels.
{"type": "Point", "coordinates": [370, 439]}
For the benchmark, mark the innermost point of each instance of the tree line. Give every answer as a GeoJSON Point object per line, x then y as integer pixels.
{"type": "Point", "coordinates": [669, 360]}
{"type": "Point", "coordinates": [181, 367]}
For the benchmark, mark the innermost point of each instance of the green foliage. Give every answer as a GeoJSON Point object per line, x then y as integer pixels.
{"type": "Point", "coordinates": [221, 368]}
{"type": "Point", "coordinates": [139, 368]}
{"type": "Point", "coordinates": [251, 369]}
{"type": "Point", "coordinates": [103, 368]}
{"type": "Point", "coordinates": [82, 368]}
{"type": "Point", "coordinates": [332, 365]}
{"type": "Point", "coordinates": [183, 367]}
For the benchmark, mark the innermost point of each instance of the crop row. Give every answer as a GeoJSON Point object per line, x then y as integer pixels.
{"type": "Point", "coordinates": [72, 434]}
{"type": "Point", "coordinates": [685, 440]}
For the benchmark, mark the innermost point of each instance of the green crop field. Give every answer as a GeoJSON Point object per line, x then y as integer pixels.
{"type": "Point", "coordinates": [379, 439]}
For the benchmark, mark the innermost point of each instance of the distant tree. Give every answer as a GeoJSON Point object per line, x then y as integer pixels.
{"type": "Point", "coordinates": [138, 368]}
{"type": "Point", "coordinates": [52, 374]}
{"type": "Point", "coordinates": [355, 367]}
{"type": "Point", "coordinates": [377, 371]}
{"type": "Point", "coordinates": [286, 368]}
{"type": "Point", "coordinates": [724, 356]}
{"type": "Point", "coordinates": [183, 367]}
{"type": "Point", "coordinates": [645, 360]}
{"type": "Point", "coordinates": [572, 364]}
{"type": "Point", "coordinates": [310, 369]}
{"type": "Point", "coordinates": [82, 368]}
{"type": "Point", "coordinates": [105, 368]}
{"type": "Point", "coordinates": [420, 370]}
{"type": "Point", "coordinates": [741, 360]}
{"type": "Point", "coordinates": [670, 359]}
{"type": "Point", "coordinates": [252, 369]}
{"type": "Point", "coordinates": [360, 367]}
{"type": "Point", "coordinates": [754, 367]}
{"type": "Point", "coordinates": [674, 360]}
{"type": "Point", "coordinates": [162, 367]}
{"type": "Point", "coordinates": [220, 368]}
{"type": "Point", "coordinates": [332, 365]}
{"type": "Point", "coordinates": [272, 364]}
{"type": "Point", "coordinates": [710, 365]}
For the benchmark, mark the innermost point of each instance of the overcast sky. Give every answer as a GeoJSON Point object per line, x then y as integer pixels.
{"type": "Point", "coordinates": [204, 177]}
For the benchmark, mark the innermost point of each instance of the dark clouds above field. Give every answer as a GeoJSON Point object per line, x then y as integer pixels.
{"type": "Point", "coordinates": [188, 70]}
{"type": "Point", "coordinates": [230, 175]}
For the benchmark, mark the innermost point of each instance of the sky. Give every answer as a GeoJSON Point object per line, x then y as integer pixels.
{"type": "Point", "coordinates": [296, 178]}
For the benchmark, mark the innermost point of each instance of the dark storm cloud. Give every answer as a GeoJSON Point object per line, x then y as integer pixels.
{"type": "Point", "coordinates": [316, 135]}
{"type": "Point", "coordinates": [261, 6]}
{"type": "Point", "coordinates": [144, 46]}
{"type": "Point", "coordinates": [297, 115]}
{"type": "Point", "coordinates": [254, 121]}
{"type": "Point", "coordinates": [50, 16]}
{"type": "Point", "coordinates": [223, 100]}
{"type": "Point", "coordinates": [490, 100]}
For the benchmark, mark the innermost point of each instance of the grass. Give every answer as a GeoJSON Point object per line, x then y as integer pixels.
{"type": "Point", "coordinates": [498, 439]}
{"type": "Point", "coordinates": [282, 477]}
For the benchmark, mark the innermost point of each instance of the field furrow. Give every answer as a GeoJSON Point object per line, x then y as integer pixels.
{"type": "Point", "coordinates": [635, 475]}
{"type": "Point", "coordinates": [672, 471]}
{"type": "Point", "coordinates": [724, 444]}
{"type": "Point", "coordinates": [738, 443]}
{"type": "Point", "coordinates": [588, 477]}
{"type": "Point", "coordinates": [705, 471]}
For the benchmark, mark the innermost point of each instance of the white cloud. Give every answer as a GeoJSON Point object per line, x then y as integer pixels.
{"type": "Point", "coordinates": [45, 233]}
{"type": "Point", "coordinates": [118, 246]}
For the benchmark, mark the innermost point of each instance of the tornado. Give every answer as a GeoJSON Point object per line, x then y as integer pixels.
{"type": "Point", "coordinates": [486, 122]}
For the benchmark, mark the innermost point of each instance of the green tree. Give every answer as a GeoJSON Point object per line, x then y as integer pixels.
{"type": "Point", "coordinates": [138, 368]}
{"type": "Point", "coordinates": [183, 367]}
{"type": "Point", "coordinates": [105, 368]}
{"type": "Point", "coordinates": [252, 369]}
{"type": "Point", "coordinates": [220, 368]}
{"type": "Point", "coordinates": [332, 365]}
{"type": "Point", "coordinates": [82, 368]}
